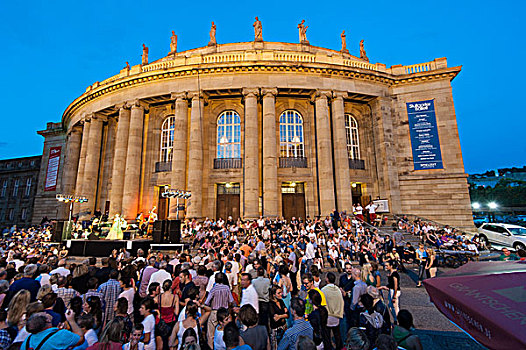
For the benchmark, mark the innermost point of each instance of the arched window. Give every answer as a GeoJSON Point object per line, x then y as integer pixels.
{"type": "Point", "coordinates": [229, 135]}
{"type": "Point", "coordinates": [353, 141]}
{"type": "Point", "coordinates": [291, 134]}
{"type": "Point", "coordinates": [167, 139]}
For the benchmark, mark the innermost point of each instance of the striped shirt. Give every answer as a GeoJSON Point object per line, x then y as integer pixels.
{"type": "Point", "coordinates": [219, 296]}
{"type": "Point", "coordinates": [299, 327]}
{"type": "Point", "coordinates": [110, 290]}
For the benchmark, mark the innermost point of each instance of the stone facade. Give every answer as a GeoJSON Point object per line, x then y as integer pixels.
{"type": "Point", "coordinates": [18, 184]}
{"type": "Point", "coordinates": [113, 139]}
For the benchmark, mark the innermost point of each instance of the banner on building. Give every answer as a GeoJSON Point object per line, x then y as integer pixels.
{"type": "Point", "coordinates": [424, 135]}
{"type": "Point", "coordinates": [52, 169]}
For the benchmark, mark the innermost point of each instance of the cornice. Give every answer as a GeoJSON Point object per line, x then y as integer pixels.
{"type": "Point", "coordinates": [192, 71]}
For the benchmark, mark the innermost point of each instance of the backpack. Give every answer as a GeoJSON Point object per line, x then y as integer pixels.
{"type": "Point", "coordinates": [373, 324]}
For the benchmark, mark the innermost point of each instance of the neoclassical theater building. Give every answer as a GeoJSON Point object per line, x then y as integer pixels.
{"type": "Point", "coordinates": [257, 128]}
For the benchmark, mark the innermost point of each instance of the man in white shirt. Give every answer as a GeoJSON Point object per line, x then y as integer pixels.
{"type": "Point", "coordinates": [216, 267]}
{"type": "Point", "coordinates": [161, 275]}
{"type": "Point", "coordinates": [371, 207]}
{"type": "Point", "coordinates": [61, 270]}
{"type": "Point", "coordinates": [249, 294]}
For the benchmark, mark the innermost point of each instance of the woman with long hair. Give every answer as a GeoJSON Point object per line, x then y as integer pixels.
{"type": "Point", "coordinates": [191, 321]}
{"type": "Point", "coordinates": [168, 304]}
{"type": "Point", "coordinates": [17, 307]}
{"type": "Point", "coordinates": [432, 263]}
{"type": "Point", "coordinates": [367, 274]}
{"type": "Point", "coordinates": [121, 313]}
{"type": "Point", "coordinates": [278, 316]}
{"type": "Point", "coordinates": [110, 338]}
{"type": "Point", "coordinates": [93, 306]}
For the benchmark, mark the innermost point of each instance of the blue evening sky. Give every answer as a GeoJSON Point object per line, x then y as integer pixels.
{"type": "Point", "coordinates": [52, 50]}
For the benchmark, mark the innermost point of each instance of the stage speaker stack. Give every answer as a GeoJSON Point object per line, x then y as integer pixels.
{"type": "Point", "coordinates": [58, 228]}
{"type": "Point", "coordinates": [174, 231]}
{"type": "Point", "coordinates": [158, 231]}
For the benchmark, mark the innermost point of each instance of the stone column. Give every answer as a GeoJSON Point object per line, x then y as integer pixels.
{"type": "Point", "coordinates": [341, 157]}
{"type": "Point", "coordinates": [132, 175]}
{"type": "Point", "coordinates": [71, 167]}
{"type": "Point", "coordinates": [388, 183]}
{"type": "Point", "coordinates": [324, 148]}
{"type": "Point", "coordinates": [251, 153]}
{"type": "Point", "coordinates": [82, 162]}
{"type": "Point", "coordinates": [178, 181]}
{"type": "Point", "coordinates": [119, 160]}
{"type": "Point", "coordinates": [270, 154]}
{"type": "Point", "coordinates": [91, 168]}
{"type": "Point", "coordinates": [195, 158]}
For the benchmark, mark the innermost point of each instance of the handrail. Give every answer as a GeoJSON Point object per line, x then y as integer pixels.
{"type": "Point", "coordinates": [441, 225]}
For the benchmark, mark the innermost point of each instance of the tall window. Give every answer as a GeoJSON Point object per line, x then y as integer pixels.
{"type": "Point", "coordinates": [15, 187]}
{"type": "Point", "coordinates": [229, 135]}
{"type": "Point", "coordinates": [4, 188]}
{"type": "Point", "coordinates": [353, 141]}
{"type": "Point", "coordinates": [167, 139]}
{"type": "Point", "coordinates": [291, 134]}
{"type": "Point", "coordinates": [28, 187]}
{"type": "Point", "coordinates": [11, 214]}
{"type": "Point", "coordinates": [24, 214]}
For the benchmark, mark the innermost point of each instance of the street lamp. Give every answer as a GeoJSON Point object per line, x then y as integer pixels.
{"type": "Point", "coordinates": [475, 205]}
{"type": "Point", "coordinates": [492, 205]}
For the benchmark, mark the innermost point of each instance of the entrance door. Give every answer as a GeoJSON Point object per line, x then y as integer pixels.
{"type": "Point", "coordinates": [227, 202]}
{"type": "Point", "coordinates": [293, 200]}
{"type": "Point", "coordinates": [163, 206]}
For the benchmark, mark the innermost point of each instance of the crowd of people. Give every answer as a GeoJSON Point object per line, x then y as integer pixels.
{"type": "Point", "coordinates": [261, 284]}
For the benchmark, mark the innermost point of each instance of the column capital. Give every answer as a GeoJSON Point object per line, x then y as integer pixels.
{"type": "Point", "coordinates": [250, 91]}
{"type": "Point", "coordinates": [196, 95]}
{"type": "Point", "coordinates": [179, 95]}
{"type": "Point", "coordinates": [339, 94]}
{"type": "Point", "coordinates": [123, 105]}
{"type": "Point", "coordinates": [269, 91]}
{"type": "Point", "coordinates": [135, 104]}
{"type": "Point", "coordinates": [322, 94]}
{"type": "Point", "coordinates": [97, 116]}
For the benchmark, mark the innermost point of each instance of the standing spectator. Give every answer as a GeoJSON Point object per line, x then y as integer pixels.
{"type": "Point", "coordinates": [144, 279]}
{"type": "Point", "coordinates": [110, 291]}
{"type": "Point", "coordinates": [299, 327]}
{"type": "Point", "coordinates": [231, 338]}
{"type": "Point", "coordinates": [335, 308]}
{"type": "Point", "coordinates": [27, 282]}
{"type": "Point", "coordinates": [372, 321]}
{"type": "Point", "coordinates": [318, 320]}
{"type": "Point", "coordinates": [128, 292]}
{"type": "Point", "coordinates": [278, 316]}
{"type": "Point", "coordinates": [93, 306]}
{"type": "Point", "coordinates": [220, 296]}
{"type": "Point", "coordinates": [5, 336]}
{"type": "Point", "coordinates": [249, 294]}
{"type": "Point", "coordinates": [431, 263]}
{"type": "Point", "coordinates": [110, 339]}
{"type": "Point", "coordinates": [402, 332]}
{"type": "Point", "coordinates": [359, 289]}
{"type": "Point", "coordinates": [65, 292]}
{"type": "Point", "coordinates": [254, 335]}
{"type": "Point", "coordinates": [86, 323]}
{"type": "Point", "coordinates": [160, 275]}
{"type": "Point", "coordinates": [50, 338]}
{"type": "Point", "coordinates": [201, 280]}
{"type": "Point", "coordinates": [223, 318]}
{"type": "Point", "coordinates": [146, 309]}
{"type": "Point", "coordinates": [17, 308]}
{"type": "Point", "coordinates": [421, 258]}
{"type": "Point", "coordinates": [393, 286]}
{"type": "Point", "coordinates": [262, 286]}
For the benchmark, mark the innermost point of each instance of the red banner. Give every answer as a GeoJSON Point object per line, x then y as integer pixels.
{"type": "Point", "coordinates": [52, 169]}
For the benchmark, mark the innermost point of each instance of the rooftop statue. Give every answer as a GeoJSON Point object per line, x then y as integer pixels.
{"type": "Point", "coordinates": [258, 30]}
{"type": "Point", "coordinates": [173, 43]}
{"type": "Point", "coordinates": [344, 42]}
{"type": "Point", "coordinates": [363, 55]}
{"type": "Point", "coordinates": [212, 41]}
{"type": "Point", "coordinates": [303, 32]}
{"type": "Point", "coordinates": [145, 51]}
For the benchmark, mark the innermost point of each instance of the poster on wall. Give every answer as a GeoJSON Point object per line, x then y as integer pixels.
{"type": "Point", "coordinates": [424, 135]}
{"type": "Point", "coordinates": [52, 169]}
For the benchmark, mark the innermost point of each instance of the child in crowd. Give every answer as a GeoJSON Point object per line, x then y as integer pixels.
{"type": "Point", "coordinates": [135, 343]}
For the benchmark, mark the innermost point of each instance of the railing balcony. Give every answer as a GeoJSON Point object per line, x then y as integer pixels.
{"type": "Point", "coordinates": [356, 164]}
{"type": "Point", "coordinates": [162, 167]}
{"type": "Point", "coordinates": [292, 162]}
{"type": "Point", "coordinates": [228, 163]}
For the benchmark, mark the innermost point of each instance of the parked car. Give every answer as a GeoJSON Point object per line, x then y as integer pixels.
{"type": "Point", "coordinates": [503, 234]}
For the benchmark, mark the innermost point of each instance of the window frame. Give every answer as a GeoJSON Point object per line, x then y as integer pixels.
{"type": "Point", "coordinates": [352, 129]}
{"type": "Point", "coordinates": [228, 135]}
{"type": "Point", "coordinates": [167, 139]}
{"type": "Point", "coordinates": [291, 126]}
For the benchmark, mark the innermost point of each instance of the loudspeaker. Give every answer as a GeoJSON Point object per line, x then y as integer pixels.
{"type": "Point", "coordinates": [58, 228]}
{"type": "Point", "coordinates": [158, 231]}
{"type": "Point", "coordinates": [174, 231]}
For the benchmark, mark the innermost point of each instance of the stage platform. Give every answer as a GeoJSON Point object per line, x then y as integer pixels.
{"type": "Point", "coordinates": [103, 248]}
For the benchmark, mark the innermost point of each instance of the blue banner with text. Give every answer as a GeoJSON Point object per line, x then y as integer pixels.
{"type": "Point", "coordinates": [424, 135]}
